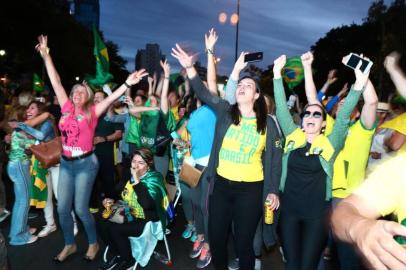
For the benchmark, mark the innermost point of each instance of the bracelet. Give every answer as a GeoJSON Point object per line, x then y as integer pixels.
{"type": "Point", "coordinates": [127, 85]}
{"type": "Point", "coordinates": [210, 51]}
{"type": "Point", "coordinates": [166, 78]}
{"type": "Point", "coordinates": [187, 67]}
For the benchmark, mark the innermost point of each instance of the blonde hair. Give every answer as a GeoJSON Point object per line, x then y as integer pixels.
{"type": "Point", "coordinates": [90, 96]}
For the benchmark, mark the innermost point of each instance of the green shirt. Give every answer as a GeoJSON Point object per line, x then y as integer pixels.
{"type": "Point", "coordinates": [19, 143]}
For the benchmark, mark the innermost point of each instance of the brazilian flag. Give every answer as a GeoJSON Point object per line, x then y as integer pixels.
{"type": "Point", "coordinates": [37, 83]}
{"type": "Point", "coordinates": [292, 72]}
{"type": "Point", "coordinates": [102, 62]}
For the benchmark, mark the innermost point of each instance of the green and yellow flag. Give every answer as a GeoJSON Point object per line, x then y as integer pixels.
{"type": "Point", "coordinates": [37, 83]}
{"type": "Point", "coordinates": [102, 62]}
{"type": "Point", "coordinates": [293, 73]}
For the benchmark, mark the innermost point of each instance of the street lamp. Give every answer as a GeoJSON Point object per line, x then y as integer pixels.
{"type": "Point", "coordinates": [2, 52]}
{"type": "Point", "coordinates": [237, 28]}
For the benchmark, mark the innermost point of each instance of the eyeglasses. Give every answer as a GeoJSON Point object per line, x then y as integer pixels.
{"type": "Point", "coordinates": [316, 114]}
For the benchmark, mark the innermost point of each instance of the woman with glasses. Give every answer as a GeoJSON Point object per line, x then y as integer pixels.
{"type": "Point", "coordinates": [307, 170]}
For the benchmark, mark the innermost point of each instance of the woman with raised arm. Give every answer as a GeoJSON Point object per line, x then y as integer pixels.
{"type": "Point", "coordinates": [307, 171]}
{"type": "Point", "coordinates": [244, 167]}
{"type": "Point", "coordinates": [78, 163]}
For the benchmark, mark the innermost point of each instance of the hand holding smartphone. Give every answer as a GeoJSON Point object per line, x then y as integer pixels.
{"type": "Point", "coordinates": [254, 57]}
{"type": "Point", "coordinates": [353, 59]}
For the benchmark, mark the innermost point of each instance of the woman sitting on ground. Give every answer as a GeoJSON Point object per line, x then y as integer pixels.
{"type": "Point", "coordinates": [145, 195]}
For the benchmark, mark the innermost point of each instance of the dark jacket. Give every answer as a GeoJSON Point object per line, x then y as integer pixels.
{"type": "Point", "coordinates": [271, 157]}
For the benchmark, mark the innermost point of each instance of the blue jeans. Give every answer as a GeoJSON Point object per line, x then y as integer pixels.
{"type": "Point", "coordinates": [19, 173]}
{"type": "Point", "coordinates": [76, 179]}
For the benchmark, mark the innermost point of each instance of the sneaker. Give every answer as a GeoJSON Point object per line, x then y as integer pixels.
{"type": "Point", "coordinates": [110, 264]}
{"type": "Point", "coordinates": [4, 215]}
{"type": "Point", "coordinates": [204, 259]}
{"type": "Point", "coordinates": [47, 230]}
{"type": "Point", "coordinates": [93, 210]}
{"type": "Point", "coordinates": [234, 264]}
{"type": "Point", "coordinates": [32, 239]}
{"type": "Point", "coordinates": [193, 238]}
{"type": "Point", "coordinates": [32, 215]}
{"type": "Point", "coordinates": [258, 264]}
{"type": "Point", "coordinates": [187, 233]}
{"type": "Point", "coordinates": [197, 249]}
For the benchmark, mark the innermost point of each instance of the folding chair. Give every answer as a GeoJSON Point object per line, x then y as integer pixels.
{"type": "Point", "coordinates": [143, 246]}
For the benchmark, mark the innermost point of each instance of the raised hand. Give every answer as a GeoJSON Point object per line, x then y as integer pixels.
{"type": "Point", "coordinates": [210, 39]}
{"type": "Point", "coordinates": [278, 64]}
{"type": "Point", "coordinates": [343, 90]}
{"type": "Point", "coordinates": [150, 80]}
{"type": "Point", "coordinates": [307, 59]}
{"type": "Point", "coordinates": [166, 67]}
{"type": "Point", "coordinates": [392, 61]}
{"type": "Point", "coordinates": [240, 64]}
{"type": "Point", "coordinates": [184, 59]}
{"type": "Point", "coordinates": [331, 77]}
{"type": "Point", "coordinates": [361, 78]}
{"type": "Point", "coordinates": [42, 46]}
{"type": "Point", "coordinates": [136, 77]}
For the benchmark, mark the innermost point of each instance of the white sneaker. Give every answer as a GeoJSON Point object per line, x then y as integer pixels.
{"type": "Point", "coordinates": [47, 230]}
{"type": "Point", "coordinates": [32, 239]}
{"type": "Point", "coordinates": [75, 229]}
{"type": "Point", "coordinates": [258, 264]}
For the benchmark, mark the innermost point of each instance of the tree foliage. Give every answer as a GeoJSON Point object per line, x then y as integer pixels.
{"type": "Point", "coordinates": [71, 44]}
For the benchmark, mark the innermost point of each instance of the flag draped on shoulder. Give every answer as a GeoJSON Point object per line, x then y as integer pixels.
{"type": "Point", "coordinates": [102, 62]}
{"type": "Point", "coordinates": [293, 73]}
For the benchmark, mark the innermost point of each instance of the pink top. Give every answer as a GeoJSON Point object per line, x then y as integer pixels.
{"type": "Point", "coordinates": [77, 132]}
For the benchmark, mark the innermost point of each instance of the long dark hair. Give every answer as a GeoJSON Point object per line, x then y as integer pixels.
{"type": "Point", "coordinates": [260, 109]}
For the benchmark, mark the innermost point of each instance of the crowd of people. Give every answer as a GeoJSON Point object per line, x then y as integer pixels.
{"type": "Point", "coordinates": [301, 161]}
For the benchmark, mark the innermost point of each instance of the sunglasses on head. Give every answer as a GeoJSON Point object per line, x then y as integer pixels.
{"type": "Point", "coordinates": [315, 114]}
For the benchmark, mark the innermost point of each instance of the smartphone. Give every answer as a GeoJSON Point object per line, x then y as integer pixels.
{"type": "Point", "coordinates": [353, 61]}
{"type": "Point", "coordinates": [254, 57]}
{"type": "Point", "coordinates": [121, 99]}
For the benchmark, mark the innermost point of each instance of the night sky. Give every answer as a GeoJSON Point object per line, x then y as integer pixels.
{"type": "Point", "coordinates": [272, 26]}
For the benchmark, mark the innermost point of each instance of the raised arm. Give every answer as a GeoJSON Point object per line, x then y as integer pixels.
{"type": "Point", "coordinates": [341, 124]}
{"type": "Point", "coordinates": [200, 90]}
{"type": "Point", "coordinates": [210, 40]}
{"type": "Point", "coordinates": [234, 77]}
{"type": "Point", "coordinates": [150, 86]}
{"type": "Point", "coordinates": [310, 88]}
{"type": "Point", "coordinates": [396, 74]}
{"type": "Point", "coordinates": [368, 113]}
{"type": "Point", "coordinates": [282, 111]}
{"type": "Point", "coordinates": [42, 48]}
{"type": "Point", "coordinates": [331, 78]}
{"type": "Point", "coordinates": [165, 87]}
{"type": "Point", "coordinates": [132, 79]}
{"type": "Point", "coordinates": [38, 119]}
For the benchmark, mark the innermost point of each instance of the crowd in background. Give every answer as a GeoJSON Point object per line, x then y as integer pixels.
{"type": "Point", "coordinates": [301, 157]}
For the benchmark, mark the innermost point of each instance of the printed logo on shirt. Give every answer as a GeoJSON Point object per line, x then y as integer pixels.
{"type": "Point", "coordinates": [241, 143]}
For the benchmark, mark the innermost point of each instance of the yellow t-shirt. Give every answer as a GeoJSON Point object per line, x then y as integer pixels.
{"type": "Point", "coordinates": [385, 188]}
{"type": "Point", "coordinates": [240, 153]}
{"type": "Point", "coordinates": [351, 162]}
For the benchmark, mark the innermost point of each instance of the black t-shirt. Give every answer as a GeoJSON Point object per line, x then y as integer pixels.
{"type": "Point", "coordinates": [305, 188]}
{"type": "Point", "coordinates": [105, 128]}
